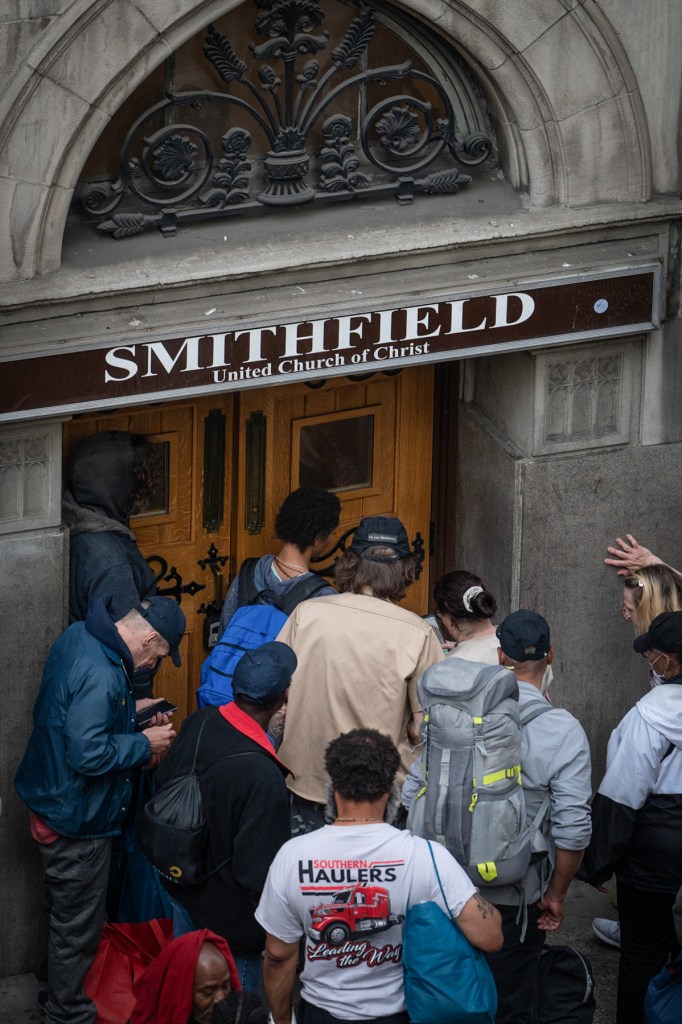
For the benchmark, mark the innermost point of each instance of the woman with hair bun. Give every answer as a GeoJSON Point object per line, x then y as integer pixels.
{"type": "Point", "coordinates": [465, 608]}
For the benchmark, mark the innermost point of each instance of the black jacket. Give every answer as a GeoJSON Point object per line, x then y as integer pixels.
{"type": "Point", "coordinates": [104, 559]}
{"type": "Point", "coordinates": [637, 813]}
{"type": "Point", "coordinates": [247, 811]}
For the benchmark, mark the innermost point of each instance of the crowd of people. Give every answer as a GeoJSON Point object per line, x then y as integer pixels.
{"type": "Point", "coordinates": [308, 775]}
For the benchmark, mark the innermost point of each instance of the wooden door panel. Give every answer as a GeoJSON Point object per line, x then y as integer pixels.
{"type": "Point", "coordinates": [401, 481]}
{"type": "Point", "coordinates": [174, 538]}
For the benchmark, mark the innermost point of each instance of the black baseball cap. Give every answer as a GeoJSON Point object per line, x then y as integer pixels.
{"type": "Point", "coordinates": [165, 616]}
{"type": "Point", "coordinates": [381, 531]}
{"type": "Point", "coordinates": [524, 636]}
{"type": "Point", "coordinates": [263, 674]}
{"type": "Point", "coordinates": [664, 635]}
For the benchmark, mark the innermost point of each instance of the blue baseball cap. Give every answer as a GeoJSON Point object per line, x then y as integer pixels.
{"type": "Point", "coordinates": [264, 674]}
{"type": "Point", "coordinates": [165, 616]}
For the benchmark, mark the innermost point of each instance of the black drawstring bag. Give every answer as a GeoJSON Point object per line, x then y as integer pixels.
{"type": "Point", "coordinates": [173, 829]}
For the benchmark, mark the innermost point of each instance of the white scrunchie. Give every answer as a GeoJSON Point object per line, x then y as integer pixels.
{"type": "Point", "coordinates": [468, 594]}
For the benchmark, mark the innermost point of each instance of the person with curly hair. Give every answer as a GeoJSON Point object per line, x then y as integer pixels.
{"type": "Point", "coordinates": [359, 658]}
{"type": "Point", "coordinates": [305, 523]}
{"type": "Point", "coordinates": [346, 888]}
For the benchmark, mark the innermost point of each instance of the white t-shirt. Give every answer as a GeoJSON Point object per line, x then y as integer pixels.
{"type": "Point", "coordinates": [347, 889]}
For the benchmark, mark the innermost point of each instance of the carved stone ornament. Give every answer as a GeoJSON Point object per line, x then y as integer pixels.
{"type": "Point", "coordinates": [171, 175]}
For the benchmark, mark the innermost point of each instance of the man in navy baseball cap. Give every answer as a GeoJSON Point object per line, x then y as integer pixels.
{"type": "Point", "coordinates": [264, 674]}
{"type": "Point", "coordinates": [166, 617]}
{"type": "Point", "coordinates": [245, 801]}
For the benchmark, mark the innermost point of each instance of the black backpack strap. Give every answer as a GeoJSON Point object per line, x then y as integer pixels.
{"type": "Point", "coordinates": [247, 592]}
{"type": "Point", "coordinates": [301, 591]}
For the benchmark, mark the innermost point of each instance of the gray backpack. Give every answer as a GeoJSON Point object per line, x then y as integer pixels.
{"type": "Point", "coordinates": [470, 799]}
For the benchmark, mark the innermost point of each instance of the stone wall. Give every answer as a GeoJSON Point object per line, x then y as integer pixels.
{"type": "Point", "coordinates": [561, 508]}
{"type": "Point", "coordinates": [33, 598]}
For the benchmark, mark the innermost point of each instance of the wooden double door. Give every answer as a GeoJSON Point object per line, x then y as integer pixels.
{"type": "Point", "coordinates": [229, 461]}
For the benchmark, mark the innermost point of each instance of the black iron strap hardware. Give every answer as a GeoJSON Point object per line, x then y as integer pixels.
{"type": "Point", "coordinates": [174, 576]}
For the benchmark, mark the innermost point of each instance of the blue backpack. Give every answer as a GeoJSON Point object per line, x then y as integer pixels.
{"type": "Point", "coordinates": [258, 620]}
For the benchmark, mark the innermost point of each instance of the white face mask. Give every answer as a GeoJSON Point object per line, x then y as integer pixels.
{"type": "Point", "coordinates": [655, 678]}
{"type": "Point", "coordinates": [546, 680]}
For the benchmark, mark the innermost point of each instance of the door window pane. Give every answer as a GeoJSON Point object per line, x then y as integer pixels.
{"type": "Point", "coordinates": [338, 454]}
{"type": "Point", "coordinates": [159, 503]}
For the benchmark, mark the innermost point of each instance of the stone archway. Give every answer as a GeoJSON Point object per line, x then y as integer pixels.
{"type": "Point", "coordinates": [565, 100]}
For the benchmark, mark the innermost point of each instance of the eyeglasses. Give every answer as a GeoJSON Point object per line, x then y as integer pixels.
{"type": "Point", "coordinates": [645, 654]}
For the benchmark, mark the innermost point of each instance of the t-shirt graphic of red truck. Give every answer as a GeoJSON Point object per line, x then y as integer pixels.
{"type": "Point", "coordinates": [361, 910]}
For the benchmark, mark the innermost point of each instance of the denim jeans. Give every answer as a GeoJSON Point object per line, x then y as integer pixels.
{"type": "Point", "coordinates": [76, 874]}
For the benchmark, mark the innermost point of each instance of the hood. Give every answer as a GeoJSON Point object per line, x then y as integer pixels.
{"type": "Point", "coordinates": [100, 624]}
{"type": "Point", "coordinates": [661, 708]}
{"type": "Point", "coordinates": [101, 473]}
{"type": "Point", "coordinates": [81, 519]}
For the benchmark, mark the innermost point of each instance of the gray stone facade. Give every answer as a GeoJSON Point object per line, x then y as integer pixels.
{"type": "Point", "coordinates": [559, 448]}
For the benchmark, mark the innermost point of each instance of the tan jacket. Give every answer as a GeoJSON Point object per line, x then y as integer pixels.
{"type": "Point", "coordinates": [359, 659]}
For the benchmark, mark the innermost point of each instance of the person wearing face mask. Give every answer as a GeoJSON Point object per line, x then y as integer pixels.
{"type": "Point", "coordinates": [75, 777]}
{"type": "Point", "coordinates": [637, 815]}
{"type": "Point", "coordinates": [555, 762]}
{"type": "Point", "coordinates": [649, 592]}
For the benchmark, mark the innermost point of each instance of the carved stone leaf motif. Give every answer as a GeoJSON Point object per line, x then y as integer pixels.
{"type": "Point", "coordinates": [123, 225]}
{"type": "Point", "coordinates": [174, 157]}
{"type": "Point", "coordinates": [338, 159]}
{"type": "Point", "coordinates": [287, 17]}
{"type": "Point", "coordinates": [444, 182]}
{"type": "Point", "coordinates": [356, 41]}
{"type": "Point", "coordinates": [308, 77]}
{"type": "Point", "coordinates": [269, 79]}
{"type": "Point", "coordinates": [214, 196]}
{"type": "Point", "coordinates": [399, 129]}
{"type": "Point", "coordinates": [288, 139]}
{"type": "Point", "coordinates": [223, 58]}
{"type": "Point", "coordinates": [96, 197]}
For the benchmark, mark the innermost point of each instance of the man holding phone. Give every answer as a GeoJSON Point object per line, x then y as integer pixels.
{"type": "Point", "coordinates": [75, 776]}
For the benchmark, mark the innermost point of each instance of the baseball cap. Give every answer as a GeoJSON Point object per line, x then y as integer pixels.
{"type": "Point", "coordinates": [664, 635]}
{"type": "Point", "coordinates": [381, 531]}
{"type": "Point", "coordinates": [524, 636]}
{"type": "Point", "coordinates": [165, 616]}
{"type": "Point", "coordinates": [263, 674]}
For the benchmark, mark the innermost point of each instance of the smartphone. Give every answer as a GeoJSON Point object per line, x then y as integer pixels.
{"type": "Point", "coordinates": [435, 626]}
{"type": "Point", "coordinates": [144, 717]}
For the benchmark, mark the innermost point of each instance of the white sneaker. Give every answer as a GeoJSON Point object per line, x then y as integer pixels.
{"type": "Point", "coordinates": [607, 931]}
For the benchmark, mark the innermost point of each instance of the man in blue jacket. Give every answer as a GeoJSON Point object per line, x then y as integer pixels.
{"type": "Point", "coordinates": [75, 776]}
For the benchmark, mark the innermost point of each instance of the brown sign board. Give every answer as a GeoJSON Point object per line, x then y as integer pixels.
{"type": "Point", "coordinates": [456, 326]}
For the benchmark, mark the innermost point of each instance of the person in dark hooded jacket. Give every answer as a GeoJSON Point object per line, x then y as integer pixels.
{"type": "Point", "coordinates": [112, 475]}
